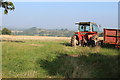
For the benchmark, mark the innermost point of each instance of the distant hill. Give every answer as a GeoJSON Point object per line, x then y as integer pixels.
{"type": "Point", "coordinates": [45, 32]}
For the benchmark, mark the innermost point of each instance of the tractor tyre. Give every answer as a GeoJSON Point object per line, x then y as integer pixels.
{"type": "Point", "coordinates": [95, 37]}
{"type": "Point", "coordinates": [74, 41]}
{"type": "Point", "coordinates": [94, 40]}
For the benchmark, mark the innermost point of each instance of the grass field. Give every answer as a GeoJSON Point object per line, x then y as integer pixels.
{"type": "Point", "coordinates": [55, 58]}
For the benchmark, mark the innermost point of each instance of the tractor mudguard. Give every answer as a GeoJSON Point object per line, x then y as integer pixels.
{"type": "Point", "coordinates": [80, 38]}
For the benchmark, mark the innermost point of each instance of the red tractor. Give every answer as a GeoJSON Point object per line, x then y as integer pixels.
{"type": "Point", "coordinates": [87, 34]}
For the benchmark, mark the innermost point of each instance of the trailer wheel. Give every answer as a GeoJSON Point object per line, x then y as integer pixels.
{"type": "Point", "coordinates": [74, 41]}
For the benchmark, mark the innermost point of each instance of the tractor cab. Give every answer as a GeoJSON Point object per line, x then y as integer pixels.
{"type": "Point", "coordinates": [87, 27]}
{"type": "Point", "coordinates": [87, 33]}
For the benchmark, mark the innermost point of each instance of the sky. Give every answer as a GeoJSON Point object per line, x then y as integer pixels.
{"type": "Point", "coordinates": [57, 15]}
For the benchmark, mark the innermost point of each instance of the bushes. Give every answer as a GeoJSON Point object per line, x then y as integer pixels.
{"type": "Point", "coordinates": [6, 31]}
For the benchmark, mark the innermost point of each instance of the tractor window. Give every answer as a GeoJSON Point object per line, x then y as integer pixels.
{"type": "Point", "coordinates": [84, 28]}
{"type": "Point", "coordinates": [87, 28]}
{"type": "Point", "coordinates": [81, 28]}
{"type": "Point", "coordinates": [94, 28]}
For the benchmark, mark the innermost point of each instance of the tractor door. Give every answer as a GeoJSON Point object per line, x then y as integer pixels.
{"type": "Point", "coordinates": [94, 28]}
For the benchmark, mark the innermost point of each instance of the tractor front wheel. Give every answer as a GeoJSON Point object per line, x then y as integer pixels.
{"type": "Point", "coordinates": [74, 41]}
{"type": "Point", "coordinates": [94, 40]}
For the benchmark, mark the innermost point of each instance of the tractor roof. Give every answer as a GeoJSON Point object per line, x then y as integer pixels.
{"type": "Point", "coordinates": [87, 23]}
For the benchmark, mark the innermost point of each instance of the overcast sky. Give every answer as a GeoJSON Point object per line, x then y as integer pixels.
{"type": "Point", "coordinates": [57, 15]}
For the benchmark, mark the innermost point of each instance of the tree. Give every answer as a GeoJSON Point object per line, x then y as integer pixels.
{"type": "Point", "coordinates": [7, 6]}
{"type": "Point", "coordinates": [6, 31]}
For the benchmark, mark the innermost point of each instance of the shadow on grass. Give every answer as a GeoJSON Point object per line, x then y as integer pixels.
{"type": "Point", "coordinates": [104, 45]}
{"type": "Point", "coordinates": [109, 46]}
{"type": "Point", "coordinates": [18, 41]}
{"type": "Point", "coordinates": [66, 44]}
{"type": "Point", "coordinates": [90, 66]}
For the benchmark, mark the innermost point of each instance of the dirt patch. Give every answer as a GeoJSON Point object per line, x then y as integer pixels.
{"type": "Point", "coordinates": [36, 44]}
{"type": "Point", "coordinates": [27, 74]}
{"type": "Point", "coordinates": [74, 55]}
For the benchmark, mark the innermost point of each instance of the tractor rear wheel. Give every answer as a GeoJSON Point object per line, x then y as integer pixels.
{"type": "Point", "coordinates": [74, 41]}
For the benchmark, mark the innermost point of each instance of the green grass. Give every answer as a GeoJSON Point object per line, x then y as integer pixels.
{"type": "Point", "coordinates": [54, 59]}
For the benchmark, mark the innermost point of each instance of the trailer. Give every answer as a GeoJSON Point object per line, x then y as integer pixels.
{"type": "Point", "coordinates": [112, 36]}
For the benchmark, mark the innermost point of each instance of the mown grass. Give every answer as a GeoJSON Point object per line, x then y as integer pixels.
{"type": "Point", "coordinates": [57, 59]}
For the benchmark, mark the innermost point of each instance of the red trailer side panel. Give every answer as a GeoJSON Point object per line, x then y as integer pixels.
{"type": "Point", "coordinates": [112, 36]}
{"type": "Point", "coordinates": [110, 32]}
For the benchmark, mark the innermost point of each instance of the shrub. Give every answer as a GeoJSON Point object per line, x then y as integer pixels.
{"type": "Point", "coordinates": [6, 31]}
